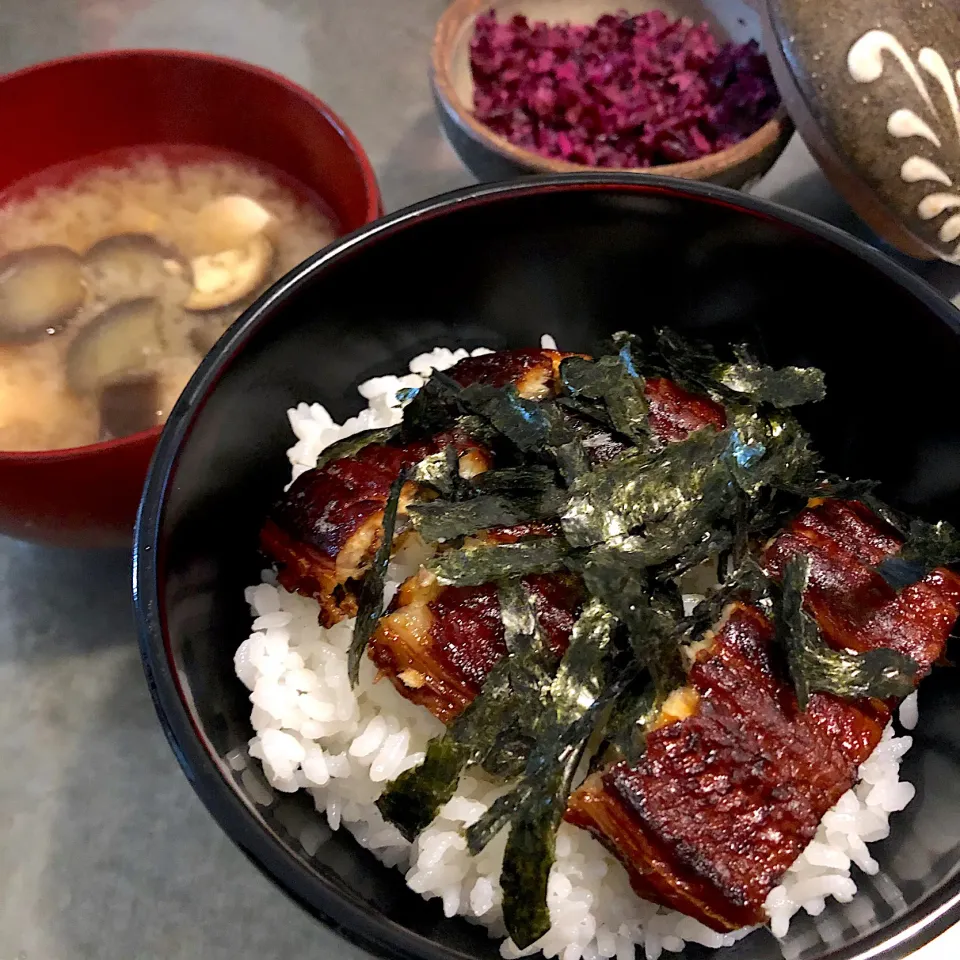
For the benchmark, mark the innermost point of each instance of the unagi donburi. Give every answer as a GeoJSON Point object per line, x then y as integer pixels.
{"type": "Point", "coordinates": [594, 647]}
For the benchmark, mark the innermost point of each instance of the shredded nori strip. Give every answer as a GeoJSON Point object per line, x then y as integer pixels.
{"type": "Point", "coordinates": [831, 487]}
{"type": "Point", "coordinates": [682, 487]}
{"type": "Point", "coordinates": [496, 498]}
{"type": "Point", "coordinates": [652, 620]}
{"type": "Point", "coordinates": [531, 849]}
{"type": "Point", "coordinates": [781, 387]}
{"type": "Point", "coordinates": [435, 408]}
{"type": "Point", "coordinates": [625, 732]}
{"type": "Point", "coordinates": [536, 479]}
{"type": "Point", "coordinates": [485, 564]}
{"type": "Point", "coordinates": [816, 667]}
{"type": "Point", "coordinates": [581, 677]}
{"type": "Point", "coordinates": [441, 471]}
{"type": "Point", "coordinates": [926, 547]}
{"type": "Point", "coordinates": [370, 601]}
{"type": "Point", "coordinates": [352, 445]}
{"type": "Point", "coordinates": [580, 681]}
{"type": "Point", "coordinates": [536, 428]}
{"type": "Point", "coordinates": [440, 520]}
{"type": "Point", "coordinates": [692, 364]}
{"type": "Point", "coordinates": [524, 422]}
{"type": "Point", "coordinates": [615, 382]}
{"type": "Point", "coordinates": [748, 584]}
{"type": "Point", "coordinates": [412, 801]}
{"type": "Point", "coordinates": [591, 410]}
{"type": "Point", "coordinates": [768, 451]}
{"type": "Point", "coordinates": [535, 807]}
{"type": "Point", "coordinates": [504, 711]}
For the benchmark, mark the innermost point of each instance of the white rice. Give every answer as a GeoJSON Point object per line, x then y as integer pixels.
{"type": "Point", "coordinates": [314, 733]}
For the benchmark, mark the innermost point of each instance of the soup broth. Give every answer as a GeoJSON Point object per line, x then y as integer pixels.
{"type": "Point", "coordinates": [114, 286]}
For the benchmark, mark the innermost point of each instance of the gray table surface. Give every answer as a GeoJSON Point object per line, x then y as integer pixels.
{"type": "Point", "coordinates": [105, 852]}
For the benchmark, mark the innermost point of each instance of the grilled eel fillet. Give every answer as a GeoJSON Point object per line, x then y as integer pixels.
{"type": "Point", "coordinates": [324, 532]}
{"type": "Point", "coordinates": [732, 787]}
{"type": "Point", "coordinates": [438, 644]}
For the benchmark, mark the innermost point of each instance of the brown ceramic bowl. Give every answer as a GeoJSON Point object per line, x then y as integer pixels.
{"type": "Point", "coordinates": [492, 157]}
{"type": "Point", "coordinates": [74, 111]}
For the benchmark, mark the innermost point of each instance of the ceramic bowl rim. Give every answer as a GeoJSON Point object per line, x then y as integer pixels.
{"type": "Point", "coordinates": [374, 203]}
{"type": "Point", "coordinates": [208, 774]}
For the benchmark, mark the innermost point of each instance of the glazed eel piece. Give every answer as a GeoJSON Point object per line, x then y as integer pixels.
{"type": "Point", "coordinates": [323, 533]}
{"type": "Point", "coordinates": [438, 644]}
{"type": "Point", "coordinates": [731, 788]}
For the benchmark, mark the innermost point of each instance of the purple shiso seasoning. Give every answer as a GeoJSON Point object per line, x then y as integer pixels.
{"type": "Point", "coordinates": [627, 92]}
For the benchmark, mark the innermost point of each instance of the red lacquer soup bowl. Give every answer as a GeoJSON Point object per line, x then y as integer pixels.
{"type": "Point", "coordinates": [78, 113]}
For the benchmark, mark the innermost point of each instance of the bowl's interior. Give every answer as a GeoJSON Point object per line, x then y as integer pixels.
{"type": "Point", "coordinates": [728, 19]}
{"type": "Point", "coordinates": [578, 263]}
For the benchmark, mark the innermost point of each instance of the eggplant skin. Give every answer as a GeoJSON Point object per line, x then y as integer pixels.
{"type": "Point", "coordinates": [725, 799]}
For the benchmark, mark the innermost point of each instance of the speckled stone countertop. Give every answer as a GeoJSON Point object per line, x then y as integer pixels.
{"type": "Point", "coordinates": [105, 852]}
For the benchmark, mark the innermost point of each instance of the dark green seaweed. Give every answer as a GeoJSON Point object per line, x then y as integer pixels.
{"type": "Point", "coordinates": [748, 583]}
{"type": "Point", "coordinates": [440, 520]}
{"type": "Point", "coordinates": [572, 459]}
{"type": "Point", "coordinates": [625, 731]}
{"type": "Point", "coordinates": [485, 564]}
{"type": "Point", "coordinates": [370, 601]}
{"type": "Point", "coordinates": [502, 713]}
{"type": "Point", "coordinates": [434, 408]}
{"type": "Point", "coordinates": [926, 547]}
{"type": "Point", "coordinates": [533, 480]}
{"type": "Point", "coordinates": [535, 807]}
{"type": "Point", "coordinates": [524, 422]}
{"type": "Point", "coordinates": [590, 410]}
{"type": "Point", "coordinates": [529, 657]}
{"type": "Point", "coordinates": [632, 525]}
{"type": "Point", "coordinates": [537, 428]}
{"type": "Point", "coordinates": [441, 472]}
{"type": "Point", "coordinates": [692, 364]}
{"type": "Point", "coordinates": [768, 451]}
{"type": "Point", "coordinates": [682, 487]}
{"type": "Point", "coordinates": [531, 850]}
{"type": "Point", "coordinates": [830, 487]}
{"type": "Point", "coordinates": [781, 387]}
{"type": "Point", "coordinates": [696, 366]}
{"type": "Point", "coordinates": [614, 383]}
{"type": "Point", "coordinates": [412, 800]}
{"type": "Point", "coordinates": [816, 667]}
{"type": "Point", "coordinates": [582, 675]}
{"type": "Point", "coordinates": [653, 623]}
{"type": "Point", "coordinates": [579, 682]}
{"type": "Point", "coordinates": [496, 498]}
{"type": "Point", "coordinates": [352, 445]}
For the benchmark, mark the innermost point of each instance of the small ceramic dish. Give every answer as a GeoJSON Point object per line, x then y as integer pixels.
{"type": "Point", "coordinates": [492, 157]}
